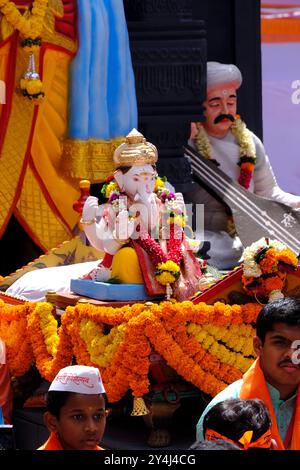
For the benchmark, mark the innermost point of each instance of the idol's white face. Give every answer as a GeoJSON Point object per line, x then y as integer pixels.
{"type": "Point", "coordinates": [220, 110]}
{"type": "Point", "coordinates": [138, 180]}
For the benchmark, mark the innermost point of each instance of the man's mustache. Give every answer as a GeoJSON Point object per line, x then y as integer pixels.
{"type": "Point", "coordinates": [287, 362]}
{"type": "Point", "coordinates": [223, 116]}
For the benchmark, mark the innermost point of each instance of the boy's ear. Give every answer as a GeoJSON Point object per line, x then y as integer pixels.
{"type": "Point", "coordinates": [50, 421]}
{"type": "Point", "coordinates": [257, 345]}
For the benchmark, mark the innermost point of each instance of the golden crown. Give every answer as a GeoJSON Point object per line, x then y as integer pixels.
{"type": "Point", "coordinates": [135, 151]}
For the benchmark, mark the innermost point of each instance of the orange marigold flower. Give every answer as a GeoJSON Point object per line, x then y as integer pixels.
{"type": "Point", "coordinates": [273, 283]}
{"type": "Point", "coordinates": [248, 166]}
{"type": "Point", "coordinates": [269, 263]}
{"type": "Point", "coordinates": [288, 257]}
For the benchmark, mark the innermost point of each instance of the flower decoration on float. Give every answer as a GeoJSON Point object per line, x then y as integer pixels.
{"type": "Point", "coordinates": [167, 264]}
{"type": "Point", "coordinates": [169, 228]}
{"type": "Point", "coordinates": [265, 266]}
{"type": "Point", "coordinates": [208, 345]}
{"type": "Point", "coordinates": [167, 273]}
{"type": "Point", "coordinates": [110, 190]}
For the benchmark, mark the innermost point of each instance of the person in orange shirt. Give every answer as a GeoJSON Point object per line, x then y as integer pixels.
{"type": "Point", "coordinates": [76, 414]}
{"type": "Point", "coordinates": [275, 375]}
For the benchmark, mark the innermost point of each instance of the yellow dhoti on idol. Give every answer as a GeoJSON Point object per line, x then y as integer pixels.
{"type": "Point", "coordinates": [126, 267]}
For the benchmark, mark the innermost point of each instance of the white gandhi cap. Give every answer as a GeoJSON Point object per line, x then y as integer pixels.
{"type": "Point", "coordinates": [78, 379]}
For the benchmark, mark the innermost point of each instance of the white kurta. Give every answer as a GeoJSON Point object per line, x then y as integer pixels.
{"type": "Point", "coordinates": [226, 251]}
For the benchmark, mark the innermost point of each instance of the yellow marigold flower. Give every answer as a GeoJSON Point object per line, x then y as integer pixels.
{"type": "Point", "coordinates": [110, 187]}
{"type": "Point", "coordinates": [159, 183]}
{"type": "Point", "coordinates": [23, 84]}
{"type": "Point", "coordinates": [177, 220]}
{"type": "Point", "coordinates": [288, 257]}
{"type": "Point", "coordinates": [34, 86]}
{"type": "Point", "coordinates": [169, 266]}
{"type": "Point", "coordinates": [165, 278]}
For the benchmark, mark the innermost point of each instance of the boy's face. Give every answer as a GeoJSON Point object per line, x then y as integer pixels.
{"type": "Point", "coordinates": [81, 422]}
{"type": "Point", "coordinates": [277, 357]}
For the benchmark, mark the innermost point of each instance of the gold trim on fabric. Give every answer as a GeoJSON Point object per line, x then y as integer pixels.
{"type": "Point", "coordinates": [15, 141]}
{"type": "Point", "coordinates": [49, 34]}
{"type": "Point", "coordinates": [46, 226]}
{"type": "Point", "coordinates": [90, 159]}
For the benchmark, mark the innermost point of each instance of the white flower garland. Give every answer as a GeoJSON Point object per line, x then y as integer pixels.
{"type": "Point", "coordinates": [251, 268]}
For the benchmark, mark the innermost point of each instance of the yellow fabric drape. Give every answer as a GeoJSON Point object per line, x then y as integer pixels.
{"type": "Point", "coordinates": [33, 183]}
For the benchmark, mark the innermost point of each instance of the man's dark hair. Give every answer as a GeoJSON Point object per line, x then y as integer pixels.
{"type": "Point", "coordinates": [232, 418]}
{"type": "Point", "coordinates": [56, 400]}
{"type": "Point", "coordinates": [279, 311]}
{"type": "Point", "coordinates": [219, 444]}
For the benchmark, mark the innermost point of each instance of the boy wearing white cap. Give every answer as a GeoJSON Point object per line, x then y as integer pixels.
{"type": "Point", "coordinates": [240, 154]}
{"type": "Point", "coordinates": [75, 415]}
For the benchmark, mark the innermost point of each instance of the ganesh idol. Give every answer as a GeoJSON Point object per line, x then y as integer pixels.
{"type": "Point", "coordinates": [141, 227]}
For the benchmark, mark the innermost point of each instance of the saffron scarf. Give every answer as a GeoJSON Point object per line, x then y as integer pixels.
{"type": "Point", "coordinates": [255, 386]}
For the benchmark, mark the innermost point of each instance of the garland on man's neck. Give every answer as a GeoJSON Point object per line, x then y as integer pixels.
{"type": "Point", "coordinates": [244, 139]}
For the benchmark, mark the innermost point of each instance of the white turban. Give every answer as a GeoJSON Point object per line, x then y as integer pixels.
{"type": "Point", "coordinates": [222, 74]}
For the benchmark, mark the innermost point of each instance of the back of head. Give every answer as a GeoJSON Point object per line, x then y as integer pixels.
{"type": "Point", "coordinates": [279, 311]}
{"type": "Point", "coordinates": [223, 74]}
{"type": "Point", "coordinates": [233, 418]}
{"type": "Point", "coordinates": [214, 445]}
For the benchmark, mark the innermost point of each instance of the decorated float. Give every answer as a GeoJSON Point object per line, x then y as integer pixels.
{"type": "Point", "coordinates": [186, 337]}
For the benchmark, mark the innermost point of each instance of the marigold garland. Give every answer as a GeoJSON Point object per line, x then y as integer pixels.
{"type": "Point", "coordinates": [101, 347]}
{"type": "Point", "coordinates": [47, 364]}
{"type": "Point", "coordinates": [13, 327]}
{"type": "Point", "coordinates": [244, 139]}
{"type": "Point", "coordinates": [30, 26]}
{"type": "Point", "coordinates": [205, 344]}
{"type": "Point", "coordinates": [220, 351]}
{"type": "Point", "coordinates": [48, 326]}
{"type": "Point", "coordinates": [247, 160]}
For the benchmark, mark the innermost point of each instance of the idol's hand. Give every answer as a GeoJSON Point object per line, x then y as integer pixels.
{"type": "Point", "coordinates": [90, 209]}
{"type": "Point", "coordinates": [124, 227]}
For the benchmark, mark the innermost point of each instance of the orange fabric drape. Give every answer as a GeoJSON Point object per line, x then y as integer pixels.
{"type": "Point", "coordinates": [255, 386]}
